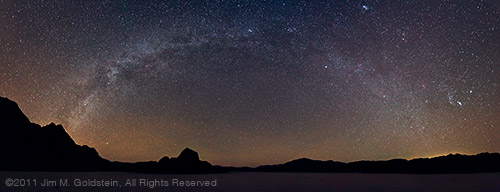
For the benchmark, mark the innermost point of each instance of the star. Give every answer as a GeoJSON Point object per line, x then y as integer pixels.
{"type": "Point", "coordinates": [279, 77]}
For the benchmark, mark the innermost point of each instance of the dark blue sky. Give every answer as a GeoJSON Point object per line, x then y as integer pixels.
{"type": "Point", "coordinates": [254, 82]}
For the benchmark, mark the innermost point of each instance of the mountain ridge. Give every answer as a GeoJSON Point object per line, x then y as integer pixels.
{"type": "Point", "coordinates": [31, 147]}
{"type": "Point", "coordinates": [452, 163]}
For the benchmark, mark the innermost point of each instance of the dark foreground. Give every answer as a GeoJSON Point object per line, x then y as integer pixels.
{"type": "Point", "coordinates": [23, 181]}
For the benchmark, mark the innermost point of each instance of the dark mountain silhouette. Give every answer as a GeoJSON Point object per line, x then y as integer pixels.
{"type": "Point", "coordinates": [26, 146]}
{"type": "Point", "coordinates": [187, 162]}
{"type": "Point", "coordinates": [452, 163]}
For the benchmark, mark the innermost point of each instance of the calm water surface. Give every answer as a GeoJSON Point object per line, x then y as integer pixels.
{"type": "Point", "coordinates": [117, 181]}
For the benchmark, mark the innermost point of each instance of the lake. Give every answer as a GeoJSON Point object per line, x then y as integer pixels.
{"type": "Point", "coordinates": [247, 181]}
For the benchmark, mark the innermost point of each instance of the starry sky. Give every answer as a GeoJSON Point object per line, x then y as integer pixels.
{"type": "Point", "coordinates": [246, 83]}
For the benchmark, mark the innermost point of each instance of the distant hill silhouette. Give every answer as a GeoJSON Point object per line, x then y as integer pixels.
{"type": "Point", "coordinates": [452, 163]}
{"type": "Point", "coordinates": [25, 146]}
{"type": "Point", "coordinates": [187, 162]}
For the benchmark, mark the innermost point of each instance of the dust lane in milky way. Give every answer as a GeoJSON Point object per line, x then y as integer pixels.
{"type": "Point", "coordinates": [258, 82]}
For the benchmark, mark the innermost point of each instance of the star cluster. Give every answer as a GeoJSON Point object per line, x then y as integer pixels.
{"type": "Point", "coordinates": [258, 82]}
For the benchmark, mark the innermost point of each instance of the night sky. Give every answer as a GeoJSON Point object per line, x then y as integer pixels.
{"type": "Point", "coordinates": [258, 82]}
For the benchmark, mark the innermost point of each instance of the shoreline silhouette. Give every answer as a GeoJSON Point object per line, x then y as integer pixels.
{"type": "Point", "coordinates": [29, 147]}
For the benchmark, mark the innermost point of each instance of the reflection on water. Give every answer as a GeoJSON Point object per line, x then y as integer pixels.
{"type": "Point", "coordinates": [117, 181]}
